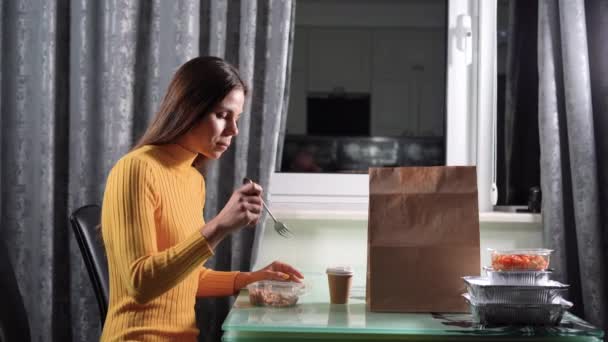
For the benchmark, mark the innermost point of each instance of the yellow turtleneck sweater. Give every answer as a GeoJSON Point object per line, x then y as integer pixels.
{"type": "Point", "coordinates": [151, 219]}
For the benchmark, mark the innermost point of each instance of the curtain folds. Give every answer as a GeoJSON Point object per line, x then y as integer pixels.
{"type": "Point", "coordinates": [572, 109]}
{"type": "Point", "coordinates": [79, 81]}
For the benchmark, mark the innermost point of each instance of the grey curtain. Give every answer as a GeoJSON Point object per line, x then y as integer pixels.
{"type": "Point", "coordinates": [573, 125]}
{"type": "Point", "coordinates": [79, 81]}
{"type": "Point", "coordinates": [260, 46]}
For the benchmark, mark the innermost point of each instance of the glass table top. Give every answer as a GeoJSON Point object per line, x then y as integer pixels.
{"type": "Point", "coordinates": [314, 314]}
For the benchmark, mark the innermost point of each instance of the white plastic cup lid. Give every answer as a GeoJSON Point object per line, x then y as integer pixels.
{"type": "Point", "coordinates": [340, 270]}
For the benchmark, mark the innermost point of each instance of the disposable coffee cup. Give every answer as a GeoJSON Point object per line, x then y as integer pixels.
{"type": "Point", "coordinates": [340, 281]}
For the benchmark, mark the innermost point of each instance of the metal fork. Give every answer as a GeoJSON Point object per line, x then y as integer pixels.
{"type": "Point", "coordinates": [279, 226]}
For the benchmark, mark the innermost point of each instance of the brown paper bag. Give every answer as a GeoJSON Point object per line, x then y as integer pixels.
{"type": "Point", "coordinates": [423, 236]}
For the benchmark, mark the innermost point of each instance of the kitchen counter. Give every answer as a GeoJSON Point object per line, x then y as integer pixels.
{"type": "Point", "coordinates": [314, 319]}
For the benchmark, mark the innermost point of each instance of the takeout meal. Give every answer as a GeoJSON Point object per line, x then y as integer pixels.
{"type": "Point", "coordinates": [517, 290]}
{"type": "Point", "coordinates": [275, 293]}
{"type": "Point", "coordinates": [517, 277]}
{"type": "Point", "coordinates": [261, 297]}
{"type": "Point", "coordinates": [524, 260]}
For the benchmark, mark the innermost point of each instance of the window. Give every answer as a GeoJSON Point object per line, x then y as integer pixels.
{"type": "Point", "coordinates": [518, 148]}
{"type": "Point", "coordinates": [366, 90]}
{"type": "Point", "coordinates": [461, 86]}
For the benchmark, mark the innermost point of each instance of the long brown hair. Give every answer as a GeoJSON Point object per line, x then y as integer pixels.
{"type": "Point", "coordinates": [197, 86]}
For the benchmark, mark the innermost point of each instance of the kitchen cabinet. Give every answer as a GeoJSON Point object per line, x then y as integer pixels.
{"type": "Point", "coordinates": [408, 82]}
{"type": "Point", "coordinates": [339, 59]}
{"type": "Point", "coordinates": [402, 69]}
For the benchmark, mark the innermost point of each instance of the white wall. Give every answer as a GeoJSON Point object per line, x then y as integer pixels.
{"type": "Point", "coordinates": [319, 243]}
{"type": "Point", "coordinates": [394, 50]}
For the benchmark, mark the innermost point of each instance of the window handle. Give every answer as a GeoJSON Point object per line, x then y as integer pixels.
{"type": "Point", "coordinates": [464, 37]}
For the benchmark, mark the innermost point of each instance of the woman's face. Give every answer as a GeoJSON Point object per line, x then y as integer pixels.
{"type": "Point", "coordinates": [213, 134]}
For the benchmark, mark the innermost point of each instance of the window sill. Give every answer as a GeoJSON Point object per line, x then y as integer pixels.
{"type": "Point", "coordinates": [497, 217]}
{"type": "Point", "coordinates": [357, 211]}
{"type": "Point", "coordinates": [345, 197]}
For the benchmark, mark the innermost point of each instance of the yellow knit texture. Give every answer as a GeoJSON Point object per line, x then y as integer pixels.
{"type": "Point", "coordinates": [151, 219]}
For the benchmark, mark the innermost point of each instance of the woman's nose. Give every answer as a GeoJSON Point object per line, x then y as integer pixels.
{"type": "Point", "coordinates": [232, 128]}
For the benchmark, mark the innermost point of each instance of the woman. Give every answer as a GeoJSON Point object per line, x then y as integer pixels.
{"type": "Point", "coordinates": [152, 216]}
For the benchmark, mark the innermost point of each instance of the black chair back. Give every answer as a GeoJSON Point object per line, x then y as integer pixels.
{"type": "Point", "coordinates": [14, 324]}
{"type": "Point", "coordinates": [85, 222]}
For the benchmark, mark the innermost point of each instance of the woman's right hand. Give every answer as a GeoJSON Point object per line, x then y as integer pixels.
{"type": "Point", "coordinates": [243, 209]}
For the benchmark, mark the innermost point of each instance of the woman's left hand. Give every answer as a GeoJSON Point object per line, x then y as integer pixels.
{"type": "Point", "coordinates": [275, 271]}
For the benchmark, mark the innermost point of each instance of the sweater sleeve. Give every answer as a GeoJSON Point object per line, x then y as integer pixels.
{"type": "Point", "coordinates": [129, 231]}
{"type": "Point", "coordinates": [216, 283]}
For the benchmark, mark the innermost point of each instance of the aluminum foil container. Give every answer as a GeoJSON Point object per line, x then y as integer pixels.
{"type": "Point", "coordinates": [517, 277]}
{"type": "Point", "coordinates": [484, 292]}
{"type": "Point", "coordinates": [518, 314]}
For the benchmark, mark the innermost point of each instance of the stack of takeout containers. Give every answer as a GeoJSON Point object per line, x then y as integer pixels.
{"type": "Point", "coordinates": [517, 289]}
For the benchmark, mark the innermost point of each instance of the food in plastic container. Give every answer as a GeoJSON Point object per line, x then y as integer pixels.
{"type": "Point", "coordinates": [275, 293]}
{"type": "Point", "coordinates": [521, 259]}
{"type": "Point", "coordinates": [518, 314]}
{"type": "Point", "coordinates": [517, 277]}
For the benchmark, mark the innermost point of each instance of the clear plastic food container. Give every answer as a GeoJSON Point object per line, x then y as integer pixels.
{"type": "Point", "coordinates": [275, 293]}
{"type": "Point", "coordinates": [485, 292]}
{"type": "Point", "coordinates": [521, 259]}
{"type": "Point", "coordinates": [518, 314]}
{"type": "Point", "coordinates": [517, 277]}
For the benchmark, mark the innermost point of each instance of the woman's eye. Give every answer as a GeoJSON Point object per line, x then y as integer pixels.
{"type": "Point", "coordinates": [222, 115]}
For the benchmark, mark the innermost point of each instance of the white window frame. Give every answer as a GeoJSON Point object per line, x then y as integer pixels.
{"type": "Point", "coordinates": [470, 128]}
